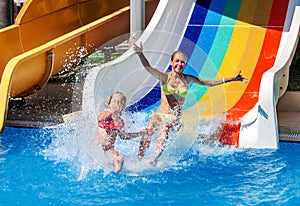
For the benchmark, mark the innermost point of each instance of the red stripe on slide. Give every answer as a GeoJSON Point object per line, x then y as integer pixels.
{"type": "Point", "coordinates": [265, 62]}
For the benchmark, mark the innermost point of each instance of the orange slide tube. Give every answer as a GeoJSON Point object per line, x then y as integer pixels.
{"type": "Point", "coordinates": [35, 47]}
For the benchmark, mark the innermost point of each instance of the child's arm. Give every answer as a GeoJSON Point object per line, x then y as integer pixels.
{"type": "Point", "coordinates": [104, 115]}
{"type": "Point", "coordinates": [129, 135]}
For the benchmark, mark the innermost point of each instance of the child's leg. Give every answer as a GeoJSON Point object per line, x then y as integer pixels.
{"type": "Point", "coordinates": [118, 160]}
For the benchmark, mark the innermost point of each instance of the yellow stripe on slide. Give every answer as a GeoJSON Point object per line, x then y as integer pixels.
{"type": "Point", "coordinates": [251, 53]}
{"type": "Point", "coordinates": [215, 98]}
{"type": "Point", "coordinates": [242, 53]}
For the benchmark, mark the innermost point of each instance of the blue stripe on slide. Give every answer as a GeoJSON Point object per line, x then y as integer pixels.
{"type": "Point", "coordinates": [194, 27]}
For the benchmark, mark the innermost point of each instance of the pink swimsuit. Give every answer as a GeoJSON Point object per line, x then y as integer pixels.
{"type": "Point", "coordinates": [108, 124]}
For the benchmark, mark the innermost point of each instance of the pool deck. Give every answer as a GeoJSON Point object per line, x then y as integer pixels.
{"type": "Point", "coordinates": [47, 109]}
{"type": "Point", "coordinates": [288, 112]}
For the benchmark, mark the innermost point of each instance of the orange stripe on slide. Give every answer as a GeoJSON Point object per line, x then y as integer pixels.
{"type": "Point", "coordinates": [221, 98]}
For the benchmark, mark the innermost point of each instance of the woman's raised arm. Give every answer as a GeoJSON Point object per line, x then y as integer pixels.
{"type": "Point", "coordinates": [155, 72]}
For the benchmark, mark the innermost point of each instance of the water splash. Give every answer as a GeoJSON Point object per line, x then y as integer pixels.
{"type": "Point", "coordinates": [73, 144]}
{"type": "Point", "coordinates": [74, 57]}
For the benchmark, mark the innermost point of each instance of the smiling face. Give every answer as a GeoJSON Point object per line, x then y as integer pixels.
{"type": "Point", "coordinates": [117, 102]}
{"type": "Point", "coordinates": [178, 61]}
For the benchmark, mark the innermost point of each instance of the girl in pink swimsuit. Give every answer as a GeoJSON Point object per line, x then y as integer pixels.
{"type": "Point", "coordinates": [110, 125]}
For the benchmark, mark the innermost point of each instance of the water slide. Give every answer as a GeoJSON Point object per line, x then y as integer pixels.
{"type": "Point", "coordinates": [220, 38]}
{"type": "Point", "coordinates": [49, 36]}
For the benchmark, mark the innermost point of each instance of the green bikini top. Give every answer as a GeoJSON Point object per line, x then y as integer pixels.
{"type": "Point", "coordinates": [168, 90]}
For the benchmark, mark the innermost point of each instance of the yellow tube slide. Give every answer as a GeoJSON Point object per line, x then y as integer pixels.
{"type": "Point", "coordinates": [35, 47]}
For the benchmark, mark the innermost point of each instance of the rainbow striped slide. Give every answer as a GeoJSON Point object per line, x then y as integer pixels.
{"type": "Point", "coordinates": [220, 38]}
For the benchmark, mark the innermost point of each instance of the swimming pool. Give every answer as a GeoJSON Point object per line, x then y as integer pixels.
{"type": "Point", "coordinates": [207, 174]}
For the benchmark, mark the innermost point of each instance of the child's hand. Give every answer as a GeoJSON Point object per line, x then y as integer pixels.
{"type": "Point", "coordinates": [146, 131]}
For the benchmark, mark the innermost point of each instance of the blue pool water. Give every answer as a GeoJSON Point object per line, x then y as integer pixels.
{"type": "Point", "coordinates": [207, 174]}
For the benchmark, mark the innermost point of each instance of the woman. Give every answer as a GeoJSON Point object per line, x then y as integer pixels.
{"type": "Point", "coordinates": [174, 87]}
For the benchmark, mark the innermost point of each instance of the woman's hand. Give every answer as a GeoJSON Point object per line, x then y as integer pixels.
{"type": "Point", "coordinates": [138, 49]}
{"type": "Point", "coordinates": [239, 77]}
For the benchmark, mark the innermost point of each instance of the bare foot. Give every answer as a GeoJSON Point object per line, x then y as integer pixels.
{"type": "Point", "coordinates": [140, 157]}
{"type": "Point", "coordinates": [118, 162]}
{"type": "Point", "coordinates": [153, 162]}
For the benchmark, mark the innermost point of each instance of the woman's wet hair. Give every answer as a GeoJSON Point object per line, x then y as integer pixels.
{"type": "Point", "coordinates": [177, 52]}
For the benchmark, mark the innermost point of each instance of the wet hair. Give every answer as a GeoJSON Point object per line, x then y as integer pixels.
{"type": "Point", "coordinates": [178, 52]}
{"type": "Point", "coordinates": [111, 96]}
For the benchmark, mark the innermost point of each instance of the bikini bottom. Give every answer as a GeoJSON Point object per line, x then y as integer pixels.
{"type": "Point", "coordinates": [170, 119]}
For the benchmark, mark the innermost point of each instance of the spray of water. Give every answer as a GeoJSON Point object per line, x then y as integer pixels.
{"type": "Point", "coordinates": [75, 147]}
{"type": "Point", "coordinates": [74, 140]}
